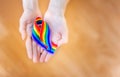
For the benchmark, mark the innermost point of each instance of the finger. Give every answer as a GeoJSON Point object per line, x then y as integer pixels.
{"type": "Point", "coordinates": [29, 47]}
{"type": "Point", "coordinates": [64, 39]}
{"type": "Point", "coordinates": [34, 52]}
{"type": "Point", "coordinates": [48, 56]}
{"type": "Point", "coordinates": [43, 55]}
{"type": "Point", "coordinates": [39, 51]}
{"type": "Point", "coordinates": [55, 37]}
{"type": "Point", "coordinates": [22, 29]}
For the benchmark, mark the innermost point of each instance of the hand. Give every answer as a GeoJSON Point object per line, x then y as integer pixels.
{"type": "Point", "coordinates": [58, 27]}
{"type": "Point", "coordinates": [26, 23]}
{"type": "Point", "coordinates": [59, 31]}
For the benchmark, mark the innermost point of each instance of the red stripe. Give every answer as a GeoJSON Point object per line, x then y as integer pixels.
{"type": "Point", "coordinates": [36, 25]}
{"type": "Point", "coordinates": [38, 18]}
{"type": "Point", "coordinates": [37, 28]}
{"type": "Point", "coordinates": [53, 44]}
{"type": "Point", "coordinates": [41, 33]}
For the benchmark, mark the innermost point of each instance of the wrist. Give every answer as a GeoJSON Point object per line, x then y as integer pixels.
{"type": "Point", "coordinates": [33, 12]}
{"type": "Point", "coordinates": [30, 5]}
{"type": "Point", "coordinates": [55, 11]}
{"type": "Point", "coordinates": [57, 7]}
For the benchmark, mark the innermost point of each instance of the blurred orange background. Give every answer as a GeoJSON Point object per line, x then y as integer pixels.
{"type": "Point", "coordinates": [93, 49]}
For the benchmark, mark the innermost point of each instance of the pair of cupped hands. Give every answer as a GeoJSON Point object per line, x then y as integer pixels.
{"type": "Point", "coordinates": [59, 33]}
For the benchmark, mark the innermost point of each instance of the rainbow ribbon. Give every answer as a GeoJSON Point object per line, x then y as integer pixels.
{"type": "Point", "coordinates": [41, 35]}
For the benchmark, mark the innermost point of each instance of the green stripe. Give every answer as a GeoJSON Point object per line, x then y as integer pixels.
{"type": "Point", "coordinates": [46, 35]}
{"type": "Point", "coordinates": [35, 34]}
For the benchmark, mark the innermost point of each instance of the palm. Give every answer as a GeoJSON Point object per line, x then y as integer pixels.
{"type": "Point", "coordinates": [58, 28]}
{"type": "Point", "coordinates": [26, 23]}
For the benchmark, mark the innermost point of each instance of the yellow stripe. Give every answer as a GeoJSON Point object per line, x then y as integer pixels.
{"type": "Point", "coordinates": [36, 31]}
{"type": "Point", "coordinates": [53, 47]}
{"type": "Point", "coordinates": [44, 32]}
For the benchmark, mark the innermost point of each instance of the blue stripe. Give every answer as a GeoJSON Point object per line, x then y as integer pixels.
{"type": "Point", "coordinates": [37, 40]}
{"type": "Point", "coordinates": [49, 39]}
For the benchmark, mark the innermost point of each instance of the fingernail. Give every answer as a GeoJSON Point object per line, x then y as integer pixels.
{"type": "Point", "coordinates": [30, 57]}
{"type": "Point", "coordinates": [45, 60]}
{"type": "Point", "coordinates": [34, 60]}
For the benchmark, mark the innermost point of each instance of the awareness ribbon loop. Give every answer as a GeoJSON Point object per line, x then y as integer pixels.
{"type": "Point", "coordinates": [41, 34]}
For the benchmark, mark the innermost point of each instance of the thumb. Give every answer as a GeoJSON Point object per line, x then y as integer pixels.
{"type": "Point", "coordinates": [63, 39]}
{"type": "Point", "coordinates": [55, 37]}
{"type": "Point", "coordinates": [59, 39]}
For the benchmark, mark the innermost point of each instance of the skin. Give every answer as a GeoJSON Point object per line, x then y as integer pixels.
{"type": "Point", "coordinates": [55, 12]}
